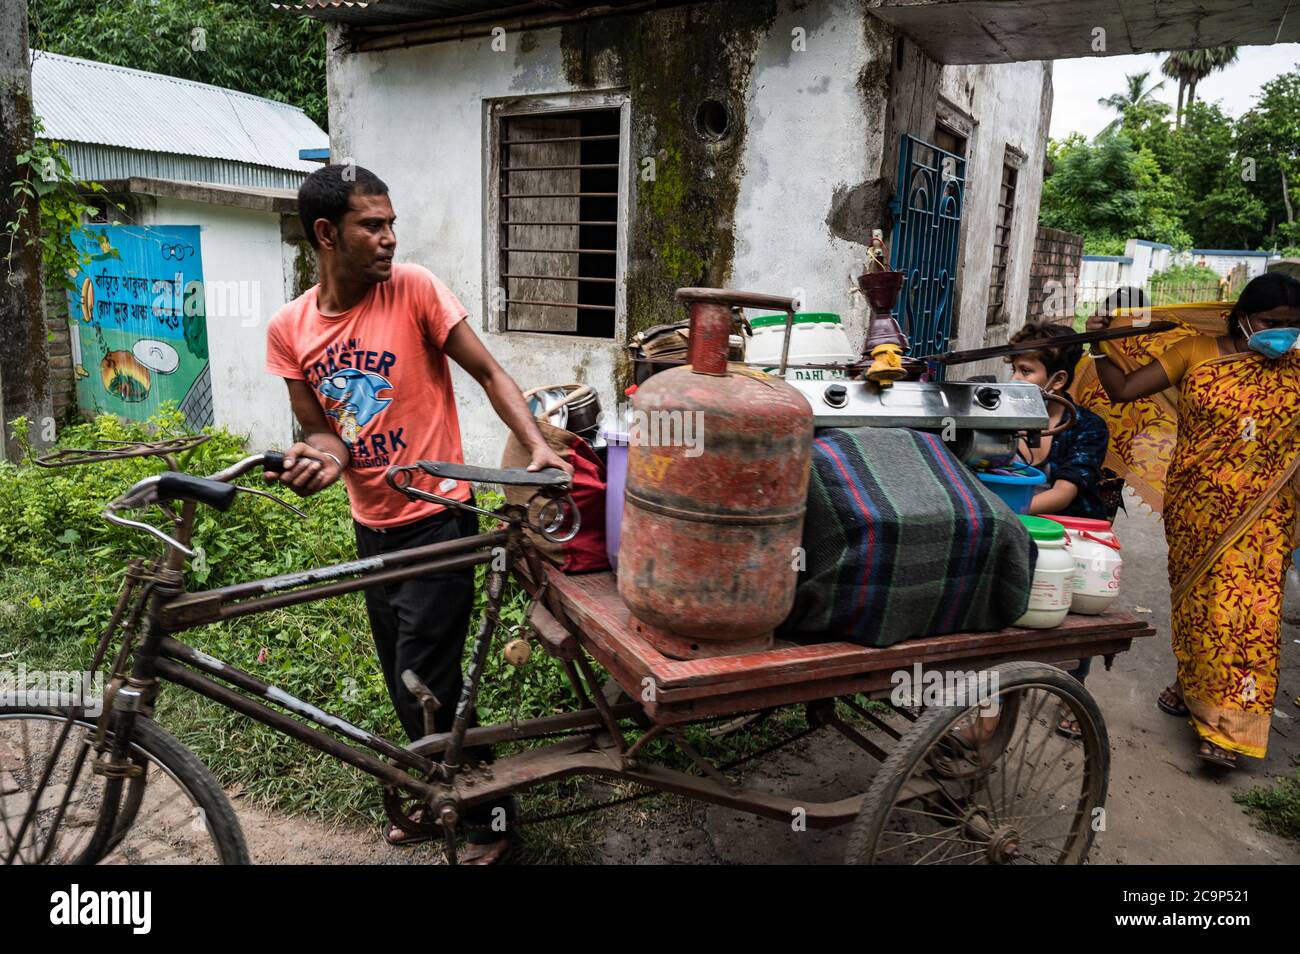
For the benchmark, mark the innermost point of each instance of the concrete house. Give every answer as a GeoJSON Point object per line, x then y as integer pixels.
{"type": "Point", "coordinates": [202, 183]}
{"type": "Point", "coordinates": [564, 166]}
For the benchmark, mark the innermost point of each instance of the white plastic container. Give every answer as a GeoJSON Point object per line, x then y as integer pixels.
{"type": "Point", "coordinates": [1052, 589]}
{"type": "Point", "coordinates": [815, 338]}
{"type": "Point", "coordinates": [1097, 564]}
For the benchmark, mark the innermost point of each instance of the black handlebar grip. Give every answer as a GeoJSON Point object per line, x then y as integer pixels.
{"type": "Point", "coordinates": [199, 489]}
{"type": "Point", "coordinates": [273, 462]}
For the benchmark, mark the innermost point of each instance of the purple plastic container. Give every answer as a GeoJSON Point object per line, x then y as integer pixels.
{"type": "Point", "coordinates": [615, 480]}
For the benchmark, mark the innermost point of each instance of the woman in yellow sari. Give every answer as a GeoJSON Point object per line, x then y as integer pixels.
{"type": "Point", "coordinates": [1229, 509]}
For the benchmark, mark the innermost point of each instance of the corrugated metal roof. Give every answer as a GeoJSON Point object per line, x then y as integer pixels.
{"type": "Point", "coordinates": [385, 12]}
{"type": "Point", "coordinates": [84, 101]}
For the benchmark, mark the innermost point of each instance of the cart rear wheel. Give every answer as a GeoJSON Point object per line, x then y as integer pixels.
{"type": "Point", "coordinates": [996, 785]}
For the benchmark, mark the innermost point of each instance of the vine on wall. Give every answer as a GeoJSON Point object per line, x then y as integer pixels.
{"type": "Point", "coordinates": [48, 185]}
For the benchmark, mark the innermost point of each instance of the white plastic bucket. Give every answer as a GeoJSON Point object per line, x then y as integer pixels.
{"type": "Point", "coordinates": [816, 338]}
{"type": "Point", "coordinates": [1097, 564]}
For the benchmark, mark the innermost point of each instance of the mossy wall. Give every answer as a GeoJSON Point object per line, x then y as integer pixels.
{"type": "Point", "coordinates": [684, 180]}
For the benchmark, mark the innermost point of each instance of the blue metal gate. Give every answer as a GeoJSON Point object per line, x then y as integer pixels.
{"type": "Point", "coordinates": [927, 224]}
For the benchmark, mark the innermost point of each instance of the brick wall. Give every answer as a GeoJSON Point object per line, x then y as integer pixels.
{"type": "Point", "coordinates": [1057, 255]}
{"type": "Point", "coordinates": [62, 384]}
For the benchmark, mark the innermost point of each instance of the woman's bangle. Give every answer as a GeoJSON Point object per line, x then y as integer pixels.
{"type": "Point", "coordinates": [333, 458]}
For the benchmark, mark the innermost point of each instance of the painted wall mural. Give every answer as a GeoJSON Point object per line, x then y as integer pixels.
{"type": "Point", "coordinates": [139, 334]}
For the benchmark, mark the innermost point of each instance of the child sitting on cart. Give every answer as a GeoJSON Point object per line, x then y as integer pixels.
{"type": "Point", "coordinates": [1073, 459]}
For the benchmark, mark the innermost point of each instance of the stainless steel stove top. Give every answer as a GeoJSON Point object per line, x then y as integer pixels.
{"type": "Point", "coordinates": [1009, 406]}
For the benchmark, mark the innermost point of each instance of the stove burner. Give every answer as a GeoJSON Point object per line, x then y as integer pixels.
{"type": "Point", "coordinates": [977, 420]}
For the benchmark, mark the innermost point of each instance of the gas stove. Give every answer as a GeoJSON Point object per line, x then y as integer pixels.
{"type": "Point", "coordinates": [979, 421]}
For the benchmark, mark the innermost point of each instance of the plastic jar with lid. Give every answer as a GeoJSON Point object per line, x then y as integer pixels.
{"type": "Point", "coordinates": [1052, 588]}
{"type": "Point", "coordinates": [1097, 564]}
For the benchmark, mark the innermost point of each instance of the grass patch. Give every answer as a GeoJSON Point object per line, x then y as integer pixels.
{"type": "Point", "coordinates": [1275, 809]}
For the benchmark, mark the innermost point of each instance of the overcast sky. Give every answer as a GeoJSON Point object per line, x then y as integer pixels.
{"type": "Point", "coordinates": [1081, 82]}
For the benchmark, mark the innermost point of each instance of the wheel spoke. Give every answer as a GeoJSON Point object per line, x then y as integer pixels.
{"type": "Point", "coordinates": [44, 783]}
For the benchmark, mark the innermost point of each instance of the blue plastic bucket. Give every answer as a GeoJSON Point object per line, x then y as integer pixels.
{"type": "Point", "coordinates": [1016, 492]}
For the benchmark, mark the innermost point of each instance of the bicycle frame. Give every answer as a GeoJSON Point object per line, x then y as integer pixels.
{"type": "Point", "coordinates": [153, 606]}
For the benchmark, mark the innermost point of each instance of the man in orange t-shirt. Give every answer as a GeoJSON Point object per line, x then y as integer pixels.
{"type": "Point", "coordinates": [364, 354]}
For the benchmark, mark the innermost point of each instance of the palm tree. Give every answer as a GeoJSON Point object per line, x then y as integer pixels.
{"type": "Point", "coordinates": [1189, 67]}
{"type": "Point", "coordinates": [1137, 92]}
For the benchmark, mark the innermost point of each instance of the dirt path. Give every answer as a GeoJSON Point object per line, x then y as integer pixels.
{"type": "Point", "coordinates": [1163, 806]}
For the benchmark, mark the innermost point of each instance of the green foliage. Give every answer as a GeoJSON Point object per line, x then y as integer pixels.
{"type": "Point", "coordinates": [1184, 283]}
{"type": "Point", "coordinates": [1205, 181]}
{"type": "Point", "coordinates": [48, 186]}
{"type": "Point", "coordinates": [1136, 95]}
{"type": "Point", "coordinates": [1108, 190]}
{"type": "Point", "coordinates": [1277, 809]}
{"type": "Point", "coordinates": [1103, 245]}
{"type": "Point", "coordinates": [235, 44]}
{"type": "Point", "coordinates": [1269, 134]}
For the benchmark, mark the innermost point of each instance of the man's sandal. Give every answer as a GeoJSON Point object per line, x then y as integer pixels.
{"type": "Point", "coordinates": [1216, 755]}
{"type": "Point", "coordinates": [492, 853]}
{"type": "Point", "coordinates": [1171, 702]}
{"type": "Point", "coordinates": [400, 838]}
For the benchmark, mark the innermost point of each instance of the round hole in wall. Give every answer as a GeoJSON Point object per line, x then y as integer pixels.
{"type": "Point", "coordinates": [713, 120]}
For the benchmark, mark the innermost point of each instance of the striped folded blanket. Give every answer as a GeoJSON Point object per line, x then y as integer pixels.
{"type": "Point", "coordinates": [901, 541]}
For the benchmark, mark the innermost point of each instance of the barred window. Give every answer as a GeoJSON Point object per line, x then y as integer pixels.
{"type": "Point", "coordinates": [997, 313]}
{"type": "Point", "coordinates": [557, 213]}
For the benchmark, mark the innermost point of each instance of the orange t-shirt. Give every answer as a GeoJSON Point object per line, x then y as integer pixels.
{"type": "Point", "coordinates": [383, 381]}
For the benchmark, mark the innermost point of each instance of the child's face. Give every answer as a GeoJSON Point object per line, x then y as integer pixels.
{"type": "Point", "coordinates": [1025, 368]}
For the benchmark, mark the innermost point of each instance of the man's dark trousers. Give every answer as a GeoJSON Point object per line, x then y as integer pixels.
{"type": "Point", "coordinates": [421, 625]}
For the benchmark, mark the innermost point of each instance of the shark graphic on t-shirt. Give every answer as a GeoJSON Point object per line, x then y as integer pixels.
{"type": "Point", "coordinates": [357, 394]}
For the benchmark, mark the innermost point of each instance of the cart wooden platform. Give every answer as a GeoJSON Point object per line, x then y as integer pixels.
{"type": "Point", "coordinates": [980, 778]}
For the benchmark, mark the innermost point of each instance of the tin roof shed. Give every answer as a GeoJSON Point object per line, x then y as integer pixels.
{"type": "Point", "coordinates": [120, 122]}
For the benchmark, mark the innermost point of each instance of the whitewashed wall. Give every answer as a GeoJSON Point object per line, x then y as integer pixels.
{"type": "Point", "coordinates": [1099, 275]}
{"type": "Point", "coordinates": [243, 275]}
{"type": "Point", "coordinates": [809, 135]}
{"type": "Point", "coordinates": [1011, 105]}
{"type": "Point", "coordinates": [1223, 261]}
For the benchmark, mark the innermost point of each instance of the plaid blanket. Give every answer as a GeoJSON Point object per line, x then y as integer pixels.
{"type": "Point", "coordinates": [901, 541]}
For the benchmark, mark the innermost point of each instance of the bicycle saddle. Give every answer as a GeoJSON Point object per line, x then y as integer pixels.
{"type": "Point", "coordinates": [510, 476]}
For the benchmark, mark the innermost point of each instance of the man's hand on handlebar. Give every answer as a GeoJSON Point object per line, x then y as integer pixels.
{"type": "Point", "coordinates": [307, 469]}
{"type": "Point", "coordinates": [544, 457]}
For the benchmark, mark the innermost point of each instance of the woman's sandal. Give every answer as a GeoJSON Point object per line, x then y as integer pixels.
{"type": "Point", "coordinates": [1216, 755]}
{"type": "Point", "coordinates": [1176, 707]}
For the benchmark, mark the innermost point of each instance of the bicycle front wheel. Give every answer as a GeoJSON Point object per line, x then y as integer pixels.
{"type": "Point", "coordinates": [172, 812]}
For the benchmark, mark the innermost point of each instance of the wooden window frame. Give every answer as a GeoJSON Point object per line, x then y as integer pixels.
{"type": "Point", "coordinates": [494, 110]}
{"type": "Point", "coordinates": [995, 314]}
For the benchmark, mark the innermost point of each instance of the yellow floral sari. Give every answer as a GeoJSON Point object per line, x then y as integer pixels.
{"type": "Point", "coordinates": [1226, 443]}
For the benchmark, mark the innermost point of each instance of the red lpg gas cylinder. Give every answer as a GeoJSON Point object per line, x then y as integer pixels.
{"type": "Point", "coordinates": [717, 480]}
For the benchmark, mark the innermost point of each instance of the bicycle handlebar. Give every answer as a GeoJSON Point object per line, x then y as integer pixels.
{"type": "Point", "coordinates": [214, 490]}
